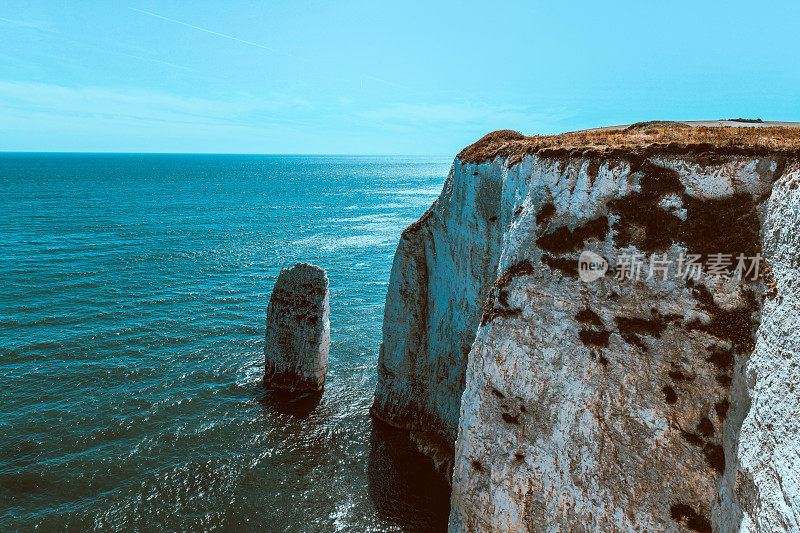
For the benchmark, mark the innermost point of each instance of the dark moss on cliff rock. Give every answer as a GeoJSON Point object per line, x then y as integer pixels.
{"type": "Point", "coordinates": [715, 456]}
{"type": "Point", "coordinates": [735, 326]}
{"type": "Point", "coordinates": [677, 375]}
{"type": "Point", "coordinates": [727, 226]}
{"type": "Point", "coordinates": [597, 339]}
{"type": "Point", "coordinates": [593, 333]}
{"type": "Point", "coordinates": [563, 240]}
{"type": "Point", "coordinates": [634, 329]}
{"type": "Point", "coordinates": [705, 427]}
{"type": "Point", "coordinates": [721, 357]}
{"type": "Point", "coordinates": [545, 214]}
{"type": "Point", "coordinates": [566, 266]}
{"type": "Point", "coordinates": [502, 297]}
{"type": "Point", "coordinates": [686, 515]}
{"type": "Point", "coordinates": [589, 317]}
{"type": "Point", "coordinates": [669, 394]}
{"type": "Point", "coordinates": [641, 221]}
{"type": "Point", "coordinates": [493, 313]}
{"type": "Point", "coordinates": [722, 409]}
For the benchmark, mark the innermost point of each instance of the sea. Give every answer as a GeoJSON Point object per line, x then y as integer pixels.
{"type": "Point", "coordinates": [132, 322]}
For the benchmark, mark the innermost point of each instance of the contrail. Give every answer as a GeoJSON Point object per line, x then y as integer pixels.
{"type": "Point", "coordinates": [24, 24]}
{"type": "Point", "coordinates": [231, 37]}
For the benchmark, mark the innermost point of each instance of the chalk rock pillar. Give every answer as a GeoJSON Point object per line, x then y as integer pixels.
{"type": "Point", "coordinates": [298, 330]}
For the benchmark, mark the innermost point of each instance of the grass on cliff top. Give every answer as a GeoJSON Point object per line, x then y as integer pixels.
{"type": "Point", "coordinates": [669, 136]}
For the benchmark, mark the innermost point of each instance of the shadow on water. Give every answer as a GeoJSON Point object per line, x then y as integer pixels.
{"type": "Point", "coordinates": [403, 484]}
{"type": "Point", "coordinates": [299, 405]}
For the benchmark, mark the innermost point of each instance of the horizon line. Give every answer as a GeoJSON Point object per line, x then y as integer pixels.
{"type": "Point", "coordinates": [61, 152]}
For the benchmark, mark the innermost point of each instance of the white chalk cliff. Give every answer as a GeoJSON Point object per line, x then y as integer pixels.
{"type": "Point", "coordinates": [660, 404]}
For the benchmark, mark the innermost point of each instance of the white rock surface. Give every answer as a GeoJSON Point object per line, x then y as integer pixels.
{"type": "Point", "coordinates": [615, 405]}
{"type": "Point", "coordinates": [443, 265]}
{"type": "Point", "coordinates": [769, 444]}
{"type": "Point", "coordinates": [298, 330]}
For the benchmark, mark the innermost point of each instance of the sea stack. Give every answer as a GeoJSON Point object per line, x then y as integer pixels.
{"type": "Point", "coordinates": [298, 330]}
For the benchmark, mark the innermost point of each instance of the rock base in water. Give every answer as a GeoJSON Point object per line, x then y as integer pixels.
{"type": "Point", "coordinates": [298, 330]}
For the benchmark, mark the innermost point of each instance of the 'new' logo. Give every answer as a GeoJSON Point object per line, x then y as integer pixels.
{"type": "Point", "coordinates": [591, 266]}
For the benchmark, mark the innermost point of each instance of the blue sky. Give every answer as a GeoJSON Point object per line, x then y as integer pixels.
{"type": "Point", "coordinates": [374, 77]}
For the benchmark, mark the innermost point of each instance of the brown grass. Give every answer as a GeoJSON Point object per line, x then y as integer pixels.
{"type": "Point", "coordinates": [645, 137]}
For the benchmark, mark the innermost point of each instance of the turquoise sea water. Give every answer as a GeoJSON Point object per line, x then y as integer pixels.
{"type": "Point", "coordinates": [134, 292]}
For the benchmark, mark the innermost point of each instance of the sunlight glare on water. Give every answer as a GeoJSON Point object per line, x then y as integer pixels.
{"type": "Point", "coordinates": [134, 295]}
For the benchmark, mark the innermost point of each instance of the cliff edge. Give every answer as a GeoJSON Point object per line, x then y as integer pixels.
{"type": "Point", "coordinates": [598, 330]}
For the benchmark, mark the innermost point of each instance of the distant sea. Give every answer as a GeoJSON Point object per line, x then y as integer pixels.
{"type": "Point", "coordinates": [134, 294]}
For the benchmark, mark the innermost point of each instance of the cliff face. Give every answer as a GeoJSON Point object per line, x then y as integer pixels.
{"type": "Point", "coordinates": [666, 402]}
{"type": "Point", "coordinates": [444, 264]}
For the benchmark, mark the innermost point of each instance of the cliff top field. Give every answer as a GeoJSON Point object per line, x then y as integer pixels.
{"type": "Point", "coordinates": [723, 136]}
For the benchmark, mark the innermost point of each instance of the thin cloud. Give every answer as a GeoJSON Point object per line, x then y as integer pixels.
{"type": "Point", "coordinates": [54, 103]}
{"type": "Point", "coordinates": [206, 30]}
{"type": "Point", "coordinates": [42, 27]}
{"type": "Point", "coordinates": [462, 114]}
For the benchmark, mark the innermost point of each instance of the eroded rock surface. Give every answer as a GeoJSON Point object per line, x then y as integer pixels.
{"type": "Point", "coordinates": [618, 404]}
{"type": "Point", "coordinates": [298, 330]}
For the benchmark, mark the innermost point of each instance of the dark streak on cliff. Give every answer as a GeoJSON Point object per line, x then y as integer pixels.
{"type": "Point", "coordinates": [523, 268]}
{"type": "Point", "coordinates": [490, 310]}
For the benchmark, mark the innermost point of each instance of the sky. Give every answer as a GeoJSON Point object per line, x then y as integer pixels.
{"type": "Point", "coordinates": [372, 77]}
